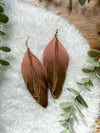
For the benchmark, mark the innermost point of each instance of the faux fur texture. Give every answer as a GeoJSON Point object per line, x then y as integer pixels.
{"type": "Point", "coordinates": [19, 112]}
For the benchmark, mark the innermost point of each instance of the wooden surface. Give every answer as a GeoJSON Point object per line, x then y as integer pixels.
{"type": "Point", "coordinates": [86, 18]}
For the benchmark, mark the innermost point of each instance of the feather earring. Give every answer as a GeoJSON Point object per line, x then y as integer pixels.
{"type": "Point", "coordinates": [35, 77]}
{"type": "Point", "coordinates": [55, 60]}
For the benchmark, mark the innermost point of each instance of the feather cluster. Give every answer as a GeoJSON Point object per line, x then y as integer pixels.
{"type": "Point", "coordinates": [38, 78]}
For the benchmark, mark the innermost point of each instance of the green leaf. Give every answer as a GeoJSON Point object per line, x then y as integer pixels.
{"type": "Point", "coordinates": [66, 115]}
{"type": "Point", "coordinates": [1, 9]}
{"type": "Point", "coordinates": [82, 2]}
{"type": "Point", "coordinates": [88, 1]}
{"type": "Point", "coordinates": [87, 88]}
{"type": "Point", "coordinates": [97, 69]}
{"type": "Point", "coordinates": [93, 53]}
{"type": "Point", "coordinates": [79, 111]}
{"type": "Point", "coordinates": [81, 101]}
{"type": "Point", "coordinates": [94, 63]}
{"type": "Point", "coordinates": [2, 33]}
{"type": "Point", "coordinates": [70, 128]}
{"type": "Point", "coordinates": [86, 70]}
{"type": "Point", "coordinates": [70, 1]}
{"type": "Point", "coordinates": [97, 75]}
{"type": "Point", "coordinates": [62, 121]}
{"type": "Point", "coordinates": [90, 83]}
{"type": "Point", "coordinates": [66, 104]}
{"type": "Point", "coordinates": [3, 18]}
{"type": "Point", "coordinates": [3, 62]}
{"type": "Point", "coordinates": [64, 131]}
{"type": "Point", "coordinates": [79, 83]}
{"type": "Point", "coordinates": [85, 80]}
{"type": "Point", "coordinates": [74, 116]}
{"type": "Point", "coordinates": [2, 3]}
{"type": "Point", "coordinates": [6, 49]}
{"type": "Point", "coordinates": [74, 91]}
{"type": "Point", "coordinates": [99, 42]}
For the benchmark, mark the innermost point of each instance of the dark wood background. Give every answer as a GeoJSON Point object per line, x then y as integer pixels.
{"type": "Point", "coordinates": [86, 18]}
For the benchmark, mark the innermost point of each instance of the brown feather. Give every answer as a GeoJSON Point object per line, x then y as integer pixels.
{"type": "Point", "coordinates": [55, 60]}
{"type": "Point", "coordinates": [35, 78]}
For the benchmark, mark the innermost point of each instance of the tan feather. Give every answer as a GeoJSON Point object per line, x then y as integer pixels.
{"type": "Point", "coordinates": [35, 77]}
{"type": "Point", "coordinates": [55, 60]}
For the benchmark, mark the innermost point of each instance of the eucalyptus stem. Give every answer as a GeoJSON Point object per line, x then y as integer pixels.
{"type": "Point", "coordinates": [78, 97]}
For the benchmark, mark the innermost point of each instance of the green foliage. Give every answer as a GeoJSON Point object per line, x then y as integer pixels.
{"type": "Point", "coordinates": [3, 19]}
{"type": "Point", "coordinates": [93, 53]}
{"type": "Point", "coordinates": [81, 101]}
{"type": "Point", "coordinates": [94, 63]}
{"type": "Point", "coordinates": [86, 70]}
{"type": "Point", "coordinates": [82, 2]}
{"type": "Point", "coordinates": [62, 121]}
{"type": "Point", "coordinates": [86, 83]}
{"type": "Point", "coordinates": [64, 131]}
{"type": "Point", "coordinates": [6, 49]}
{"type": "Point", "coordinates": [74, 91]}
{"type": "Point", "coordinates": [3, 62]}
{"type": "Point", "coordinates": [79, 111]}
{"type": "Point", "coordinates": [2, 33]}
{"type": "Point", "coordinates": [66, 115]}
{"type": "Point", "coordinates": [66, 104]}
{"type": "Point", "coordinates": [86, 80]}
{"type": "Point", "coordinates": [1, 9]}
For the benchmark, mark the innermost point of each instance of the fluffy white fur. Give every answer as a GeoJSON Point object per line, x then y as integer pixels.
{"type": "Point", "coordinates": [19, 112]}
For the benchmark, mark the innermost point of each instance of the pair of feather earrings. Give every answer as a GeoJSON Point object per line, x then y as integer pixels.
{"type": "Point", "coordinates": [38, 78]}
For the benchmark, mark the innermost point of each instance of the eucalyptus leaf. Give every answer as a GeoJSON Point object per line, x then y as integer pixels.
{"type": "Point", "coordinates": [66, 104]}
{"type": "Point", "coordinates": [87, 88]}
{"type": "Point", "coordinates": [6, 49]}
{"type": "Point", "coordinates": [70, 128]}
{"type": "Point", "coordinates": [93, 53]}
{"type": "Point", "coordinates": [3, 18]}
{"type": "Point", "coordinates": [97, 69]}
{"type": "Point", "coordinates": [90, 83]}
{"type": "Point", "coordinates": [98, 76]}
{"type": "Point", "coordinates": [81, 101]}
{"type": "Point", "coordinates": [94, 63]}
{"type": "Point", "coordinates": [3, 62]}
{"type": "Point", "coordinates": [79, 83]}
{"type": "Point", "coordinates": [70, 3]}
{"type": "Point", "coordinates": [1, 9]}
{"type": "Point", "coordinates": [64, 131]}
{"type": "Point", "coordinates": [2, 33]}
{"type": "Point", "coordinates": [99, 42]}
{"type": "Point", "coordinates": [86, 70]}
{"type": "Point", "coordinates": [82, 2]}
{"type": "Point", "coordinates": [2, 3]}
{"type": "Point", "coordinates": [85, 80]}
{"type": "Point", "coordinates": [79, 111]}
{"type": "Point", "coordinates": [74, 91]}
{"type": "Point", "coordinates": [74, 116]}
{"type": "Point", "coordinates": [66, 115]}
{"type": "Point", "coordinates": [62, 121]}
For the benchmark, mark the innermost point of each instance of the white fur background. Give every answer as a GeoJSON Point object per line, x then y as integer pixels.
{"type": "Point", "coordinates": [19, 112]}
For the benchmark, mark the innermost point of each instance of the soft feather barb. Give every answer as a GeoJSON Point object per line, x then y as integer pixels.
{"type": "Point", "coordinates": [35, 78]}
{"type": "Point", "coordinates": [55, 60]}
